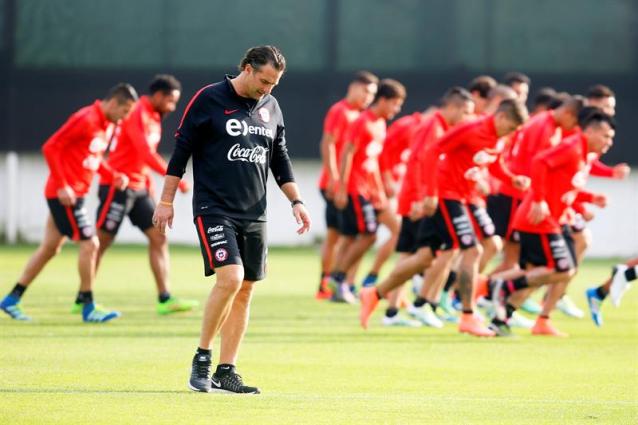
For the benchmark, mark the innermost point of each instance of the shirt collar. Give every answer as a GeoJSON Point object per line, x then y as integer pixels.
{"type": "Point", "coordinates": [442, 120]}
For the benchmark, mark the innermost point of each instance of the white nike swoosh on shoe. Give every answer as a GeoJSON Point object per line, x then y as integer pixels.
{"type": "Point", "coordinates": [216, 383]}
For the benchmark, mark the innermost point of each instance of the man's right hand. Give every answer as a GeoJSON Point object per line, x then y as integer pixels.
{"type": "Point", "coordinates": [430, 203]}
{"type": "Point", "coordinates": [67, 197]}
{"type": "Point", "coordinates": [341, 198]}
{"type": "Point", "coordinates": [163, 216]}
{"type": "Point", "coordinates": [538, 212]}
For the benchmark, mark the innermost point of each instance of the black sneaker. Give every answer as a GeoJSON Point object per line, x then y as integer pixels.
{"type": "Point", "coordinates": [500, 328]}
{"type": "Point", "coordinates": [229, 381]}
{"type": "Point", "coordinates": [200, 374]}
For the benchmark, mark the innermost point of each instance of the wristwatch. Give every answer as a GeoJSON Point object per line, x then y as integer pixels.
{"type": "Point", "coordinates": [296, 201]}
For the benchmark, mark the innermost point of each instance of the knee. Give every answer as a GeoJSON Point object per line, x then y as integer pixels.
{"type": "Point", "coordinates": [230, 281]}
{"type": "Point", "coordinates": [51, 250]}
{"type": "Point", "coordinates": [493, 244]}
{"type": "Point", "coordinates": [90, 246]}
{"type": "Point", "coordinates": [157, 240]}
{"type": "Point", "coordinates": [425, 257]}
{"type": "Point", "coordinates": [474, 252]}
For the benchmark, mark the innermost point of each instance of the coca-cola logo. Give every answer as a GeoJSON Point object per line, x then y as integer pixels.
{"type": "Point", "coordinates": [256, 155]}
{"type": "Point", "coordinates": [235, 127]}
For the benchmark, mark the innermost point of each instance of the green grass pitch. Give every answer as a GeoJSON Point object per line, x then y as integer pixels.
{"type": "Point", "coordinates": [312, 361]}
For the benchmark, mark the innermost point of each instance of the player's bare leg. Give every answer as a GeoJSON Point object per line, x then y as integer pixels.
{"type": "Point", "coordinates": [87, 258]}
{"type": "Point", "coordinates": [392, 223]}
{"type": "Point", "coordinates": [514, 281]}
{"type": "Point", "coordinates": [106, 240]}
{"type": "Point", "coordinates": [49, 247]}
{"type": "Point", "coordinates": [234, 328]}
{"type": "Point", "coordinates": [511, 254]}
{"type": "Point", "coordinates": [329, 249]}
{"type": "Point", "coordinates": [491, 246]}
{"type": "Point", "coordinates": [404, 269]}
{"type": "Point", "coordinates": [159, 258]}
{"type": "Point", "coordinates": [220, 302]}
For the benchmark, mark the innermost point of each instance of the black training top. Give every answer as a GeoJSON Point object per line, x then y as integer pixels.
{"type": "Point", "coordinates": [233, 141]}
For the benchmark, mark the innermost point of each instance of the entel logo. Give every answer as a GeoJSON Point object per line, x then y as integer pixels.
{"type": "Point", "coordinates": [234, 127]}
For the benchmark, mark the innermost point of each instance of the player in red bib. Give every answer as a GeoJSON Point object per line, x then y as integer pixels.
{"type": "Point", "coordinates": [361, 195]}
{"type": "Point", "coordinates": [456, 107]}
{"type": "Point", "coordinates": [74, 155]}
{"type": "Point", "coordinates": [134, 152]}
{"type": "Point", "coordinates": [558, 177]}
{"type": "Point", "coordinates": [448, 228]}
{"type": "Point", "coordinates": [340, 116]}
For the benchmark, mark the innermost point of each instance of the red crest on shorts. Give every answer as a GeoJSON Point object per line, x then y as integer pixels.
{"type": "Point", "coordinates": [221, 254]}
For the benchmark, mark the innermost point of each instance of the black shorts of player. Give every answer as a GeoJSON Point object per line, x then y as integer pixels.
{"type": "Point", "coordinates": [449, 228]}
{"type": "Point", "coordinates": [408, 234]}
{"type": "Point", "coordinates": [482, 222]}
{"type": "Point", "coordinates": [569, 240]}
{"type": "Point", "coordinates": [501, 209]}
{"type": "Point", "coordinates": [332, 212]}
{"type": "Point", "coordinates": [225, 241]}
{"type": "Point", "coordinates": [358, 218]}
{"type": "Point", "coordinates": [579, 225]}
{"type": "Point", "coordinates": [551, 250]}
{"type": "Point", "coordinates": [117, 204]}
{"type": "Point", "coordinates": [74, 221]}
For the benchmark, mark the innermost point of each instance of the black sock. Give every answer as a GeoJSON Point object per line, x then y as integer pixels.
{"type": "Point", "coordinates": [468, 311]}
{"type": "Point", "coordinates": [379, 296]}
{"type": "Point", "coordinates": [451, 278]}
{"type": "Point", "coordinates": [630, 274]}
{"type": "Point", "coordinates": [374, 275]}
{"type": "Point", "coordinates": [509, 310]}
{"type": "Point", "coordinates": [419, 301]}
{"type": "Point", "coordinates": [18, 290]}
{"type": "Point", "coordinates": [601, 292]}
{"type": "Point", "coordinates": [434, 305]}
{"type": "Point", "coordinates": [544, 316]}
{"type": "Point", "coordinates": [164, 296]}
{"type": "Point", "coordinates": [224, 368]}
{"type": "Point", "coordinates": [85, 297]}
{"type": "Point", "coordinates": [203, 351]}
{"type": "Point", "coordinates": [391, 311]}
{"type": "Point", "coordinates": [514, 285]}
{"type": "Point", "coordinates": [339, 277]}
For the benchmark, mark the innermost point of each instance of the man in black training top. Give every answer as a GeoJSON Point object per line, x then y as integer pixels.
{"type": "Point", "coordinates": [234, 130]}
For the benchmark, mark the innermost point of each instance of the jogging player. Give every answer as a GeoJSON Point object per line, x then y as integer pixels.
{"type": "Point", "coordinates": [361, 194]}
{"type": "Point", "coordinates": [361, 92]}
{"type": "Point", "coordinates": [135, 153]}
{"type": "Point", "coordinates": [547, 257]}
{"type": "Point", "coordinates": [74, 155]}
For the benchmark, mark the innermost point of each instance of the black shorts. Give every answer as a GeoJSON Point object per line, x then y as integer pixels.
{"type": "Point", "coordinates": [332, 212]}
{"type": "Point", "coordinates": [482, 222]}
{"type": "Point", "coordinates": [359, 217]}
{"type": "Point", "coordinates": [117, 204]}
{"type": "Point", "coordinates": [547, 249]}
{"type": "Point", "coordinates": [225, 241]}
{"type": "Point", "coordinates": [449, 228]}
{"type": "Point", "coordinates": [408, 241]}
{"type": "Point", "coordinates": [569, 239]}
{"type": "Point", "coordinates": [501, 208]}
{"type": "Point", "coordinates": [74, 221]}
